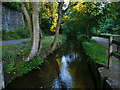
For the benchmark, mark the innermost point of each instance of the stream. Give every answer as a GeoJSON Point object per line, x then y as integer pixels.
{"type": "Point", "coordinates": [66, 68]}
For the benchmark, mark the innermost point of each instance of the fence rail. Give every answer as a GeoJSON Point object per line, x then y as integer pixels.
{"type": "Point", "coordinates": [116, 55]}
{"type": "Point", "coordinates": [110, 48]}
{"type": "Point", "coordinates": [116, 42]}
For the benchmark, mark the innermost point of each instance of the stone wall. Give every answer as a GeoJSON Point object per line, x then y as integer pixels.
{"type": "Point", "coordinates": [11, 19]}
{"type": "Point", "coordinates": [0, 15]}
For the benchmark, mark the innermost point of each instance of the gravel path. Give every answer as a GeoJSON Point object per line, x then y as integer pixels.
{"type": "Point", "coordinates": [102, 41]}
{"type": "Point", "coordinates": [17, 41]}
{"type": "Point", "coordinates": [113, 73]}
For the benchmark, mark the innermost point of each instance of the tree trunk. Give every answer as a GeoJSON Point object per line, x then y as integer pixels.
{"type": "Point", "coordinates": [89, 34]}
{"type": "Point", "coordinates": [37, 33]}
{"type": "Point", "coordinates": [29, 21]}
{"type": "Point", "coordinates": [58, 26]}
{"type": "Point", "coordinates": [40, 42]}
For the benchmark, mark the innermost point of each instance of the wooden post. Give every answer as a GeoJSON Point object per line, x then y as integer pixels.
{"type": "Point", "coordinates": [110, 49]}
{"type": "Point", "coordinates": [118, 48]}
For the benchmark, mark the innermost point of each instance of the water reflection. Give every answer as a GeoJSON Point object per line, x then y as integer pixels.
{"type": "Point", "coordinates": [65, 79]}
{"type": "Point", "coordinates": [64, 73]}
{"type": "Point", "coordinates": [66, 69]}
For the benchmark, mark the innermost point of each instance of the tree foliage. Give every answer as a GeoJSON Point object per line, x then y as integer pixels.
{"type": "Point", "coordinates": [14, 5]}
{"type": "Point", "coordinates": [82, 19]}
{"type": "Point", "coordinates": [110, 21]}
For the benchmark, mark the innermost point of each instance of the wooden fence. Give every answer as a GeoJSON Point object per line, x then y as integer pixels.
{"type": "Point", "coordinates": [110, 48]}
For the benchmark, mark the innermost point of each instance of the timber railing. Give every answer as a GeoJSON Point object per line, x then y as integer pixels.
{"type": "Point", "coordinates": [110, 47]}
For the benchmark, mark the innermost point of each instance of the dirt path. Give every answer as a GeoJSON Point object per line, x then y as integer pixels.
{"type": "Point", "coordinates": [113, 73]}
{"type": "Point", "coordinates": [17, 41]}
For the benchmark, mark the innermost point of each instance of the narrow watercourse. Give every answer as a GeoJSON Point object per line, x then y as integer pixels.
{"type": "Point", "coordinates": [67, 67]}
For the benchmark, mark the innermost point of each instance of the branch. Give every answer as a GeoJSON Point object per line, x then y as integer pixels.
{"type": "Point", "coordinates": [69, 6]}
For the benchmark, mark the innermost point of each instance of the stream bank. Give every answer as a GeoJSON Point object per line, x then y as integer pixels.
{"type": "Point", "coordinates": [67, 67]}
{"type": "Point", "coordinates": [11, 75]}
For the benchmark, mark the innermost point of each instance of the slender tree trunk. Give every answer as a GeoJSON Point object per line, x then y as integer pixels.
{"type": "Point", "coordinates": [89, 34]}
{"type": "Point", "coordinates": [37, 33]}
{"type": "Point", "coordinates": [40, 42]}
{"type": "Point", "coordinates": [29, 21]}
{"type": "Point", "coordinates": [58, 26]}
{"type": "Point", "coordinates": [89, 28]}
{"type": "Point", "coordinates": [60, 15]}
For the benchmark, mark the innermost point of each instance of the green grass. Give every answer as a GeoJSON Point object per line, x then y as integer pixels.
{"type": "Point", "coordinates": [15, 53]}
{"type": "Point", "coordinates": [20, 33]}
{"type": "Point", "coordinates": [95, 51]}
{"type": "Point", "coordinates": [14, 50]}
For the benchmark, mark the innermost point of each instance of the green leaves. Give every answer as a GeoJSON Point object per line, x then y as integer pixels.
{"type": "Point", "coordinates": [10, 67]}
{"type": "Point", "coordinates": [24, 67]}
{"type": "Point", "coordinates": [14, 5]}
{"type": "Point", "coordinates": [28, 66]}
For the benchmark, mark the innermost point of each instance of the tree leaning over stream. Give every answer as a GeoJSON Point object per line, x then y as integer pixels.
{"type": "Point", "coordinates": [31, 11]}
{"type": "Point", "coordinates": [61, 12]}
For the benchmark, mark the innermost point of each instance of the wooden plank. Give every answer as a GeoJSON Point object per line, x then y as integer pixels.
{"type": "Point", "coordinates": [116, 42]}
{"type": "Point", "coordinates": [104, 36]}
{"type": "Point", "coordinates": [116, 55]}
{"type": "Point", "coordinates": [110, 50]}
{"type": "Point", "coordinates": [118, 48]}
{"type": "Point", "coordinates": [108, 36]}
{"type": "Point", "coordinates": [116, 36]}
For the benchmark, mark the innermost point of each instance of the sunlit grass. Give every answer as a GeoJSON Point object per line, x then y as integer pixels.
{"type": "Point", "coordinates": [96, 51]}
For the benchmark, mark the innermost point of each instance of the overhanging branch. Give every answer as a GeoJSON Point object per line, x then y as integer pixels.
{"type": "Point", "coordinates": [69, 6]}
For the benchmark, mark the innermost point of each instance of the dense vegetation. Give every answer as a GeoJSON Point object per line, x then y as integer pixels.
{"type": "Point", "coordinates": [14, 55]}
{"type": "Point", "coordinates": [87, 19]}
{"type": "Point", "coordinates": [20, 33]}
{"type": "Point", "coordinates": [79, 21]}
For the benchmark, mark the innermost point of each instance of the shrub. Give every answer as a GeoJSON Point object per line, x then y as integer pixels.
{"type": "Point", "coordinates": [82, 38]}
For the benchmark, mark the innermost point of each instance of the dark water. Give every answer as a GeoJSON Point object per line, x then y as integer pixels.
{"type": "Point", "coordinates": [66, 68]}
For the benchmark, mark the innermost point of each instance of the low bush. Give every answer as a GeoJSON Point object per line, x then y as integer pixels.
{"type": "Point", "coordinates": [82, 38]}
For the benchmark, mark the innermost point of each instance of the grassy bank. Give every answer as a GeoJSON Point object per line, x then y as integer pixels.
{"type": "Point", "coordinates": [20, 33]}
{"type": "Point", "coordinates": [95, 51]}
{"type": "Point", "coordinates": [15, 53]}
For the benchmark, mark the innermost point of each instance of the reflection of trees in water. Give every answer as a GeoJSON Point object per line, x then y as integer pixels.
{"type": "Point", "coordinates": [63, 66]}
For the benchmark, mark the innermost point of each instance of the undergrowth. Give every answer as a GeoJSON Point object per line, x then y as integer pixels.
{"type": "Point", "coordinates": [15, 53]}
{"type": "Point", "coordinates": [23, 67]}
{"type": "Point", "coordinates": [19, 33]}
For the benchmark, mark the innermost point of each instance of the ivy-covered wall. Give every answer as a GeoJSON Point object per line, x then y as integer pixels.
{"type": "Point", "coordinates": [11, 19]}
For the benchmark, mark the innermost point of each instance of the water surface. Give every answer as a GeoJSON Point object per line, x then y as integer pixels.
{"type": "Point", "coordinates": [66, 68]}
